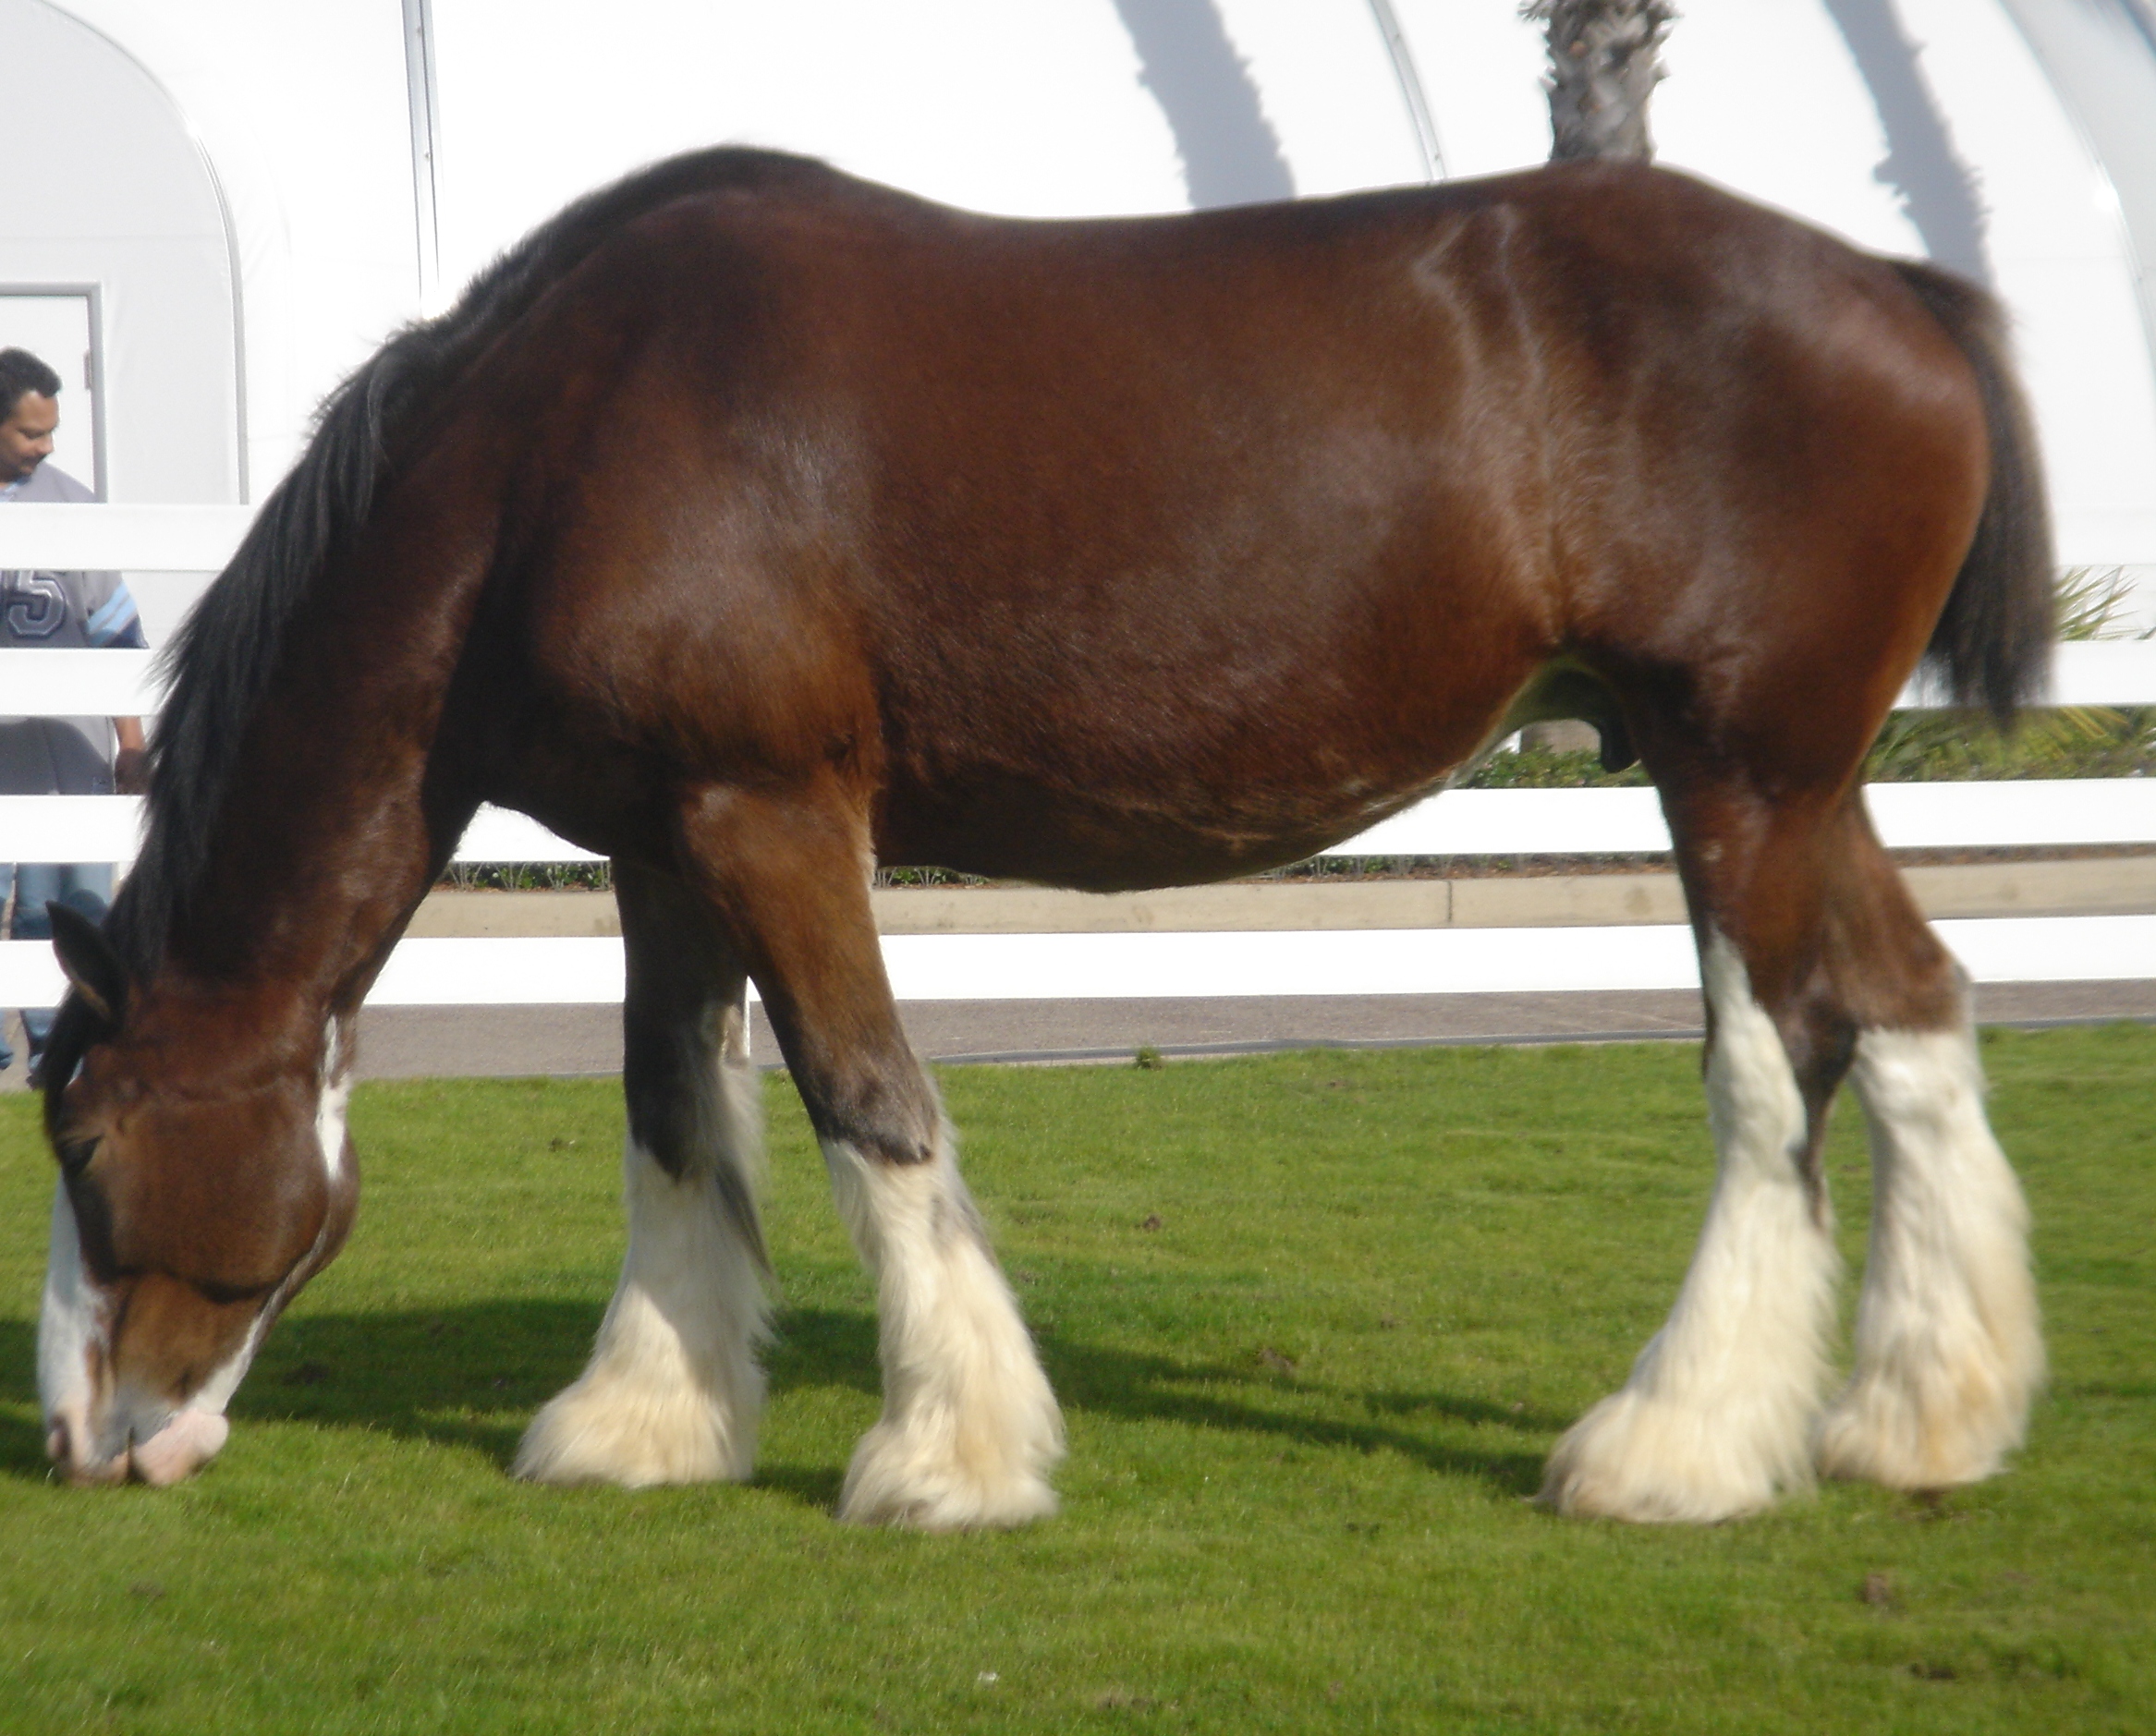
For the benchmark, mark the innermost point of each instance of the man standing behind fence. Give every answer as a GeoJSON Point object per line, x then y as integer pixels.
{"type": "Point", "coordinates": [55, 756]}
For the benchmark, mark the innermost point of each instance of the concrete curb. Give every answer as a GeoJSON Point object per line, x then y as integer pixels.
{"type": "Point", "coordinates": [2085, 886]}
{"type": "Point", "coordinates": [404, 1042]}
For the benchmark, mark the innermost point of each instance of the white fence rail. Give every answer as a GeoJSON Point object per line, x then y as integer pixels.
{"type": "Point", "coordinates": [1468, 822]}
{"type": "Point", "coordinates": [2039, 813]}
{"type": "Point", "coordinates": [124, 684]}
{"type": "Point", "coordinates": [153, 539]}
{"type": "Point", "coordinates": [580, 970]}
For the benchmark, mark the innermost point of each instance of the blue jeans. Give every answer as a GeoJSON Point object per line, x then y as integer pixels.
{"type": "Point", "coordinates": [84, 886]}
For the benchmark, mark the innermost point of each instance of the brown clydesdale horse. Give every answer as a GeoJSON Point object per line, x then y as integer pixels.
{"type": "Point", "coordinates": [754, 525]}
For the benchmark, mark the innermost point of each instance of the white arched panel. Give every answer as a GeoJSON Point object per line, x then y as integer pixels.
{"type": "Point", "coordinates": [1065, 106]}
{"type": "Point", "coordinates": [1763, 96]}
{"type": "Point", "coordinates": [1480, 66]}
{"type": "Point", "coordinates": [1032, 110]}
{"type": "Point", "coordinates": [1328, 91]}
{"type": "Point", "coordinates": [2060, 258]}
{"type": "Point", "coordinates": [301, 110]}
{"type": "Point", "coordinates": [118, 196]}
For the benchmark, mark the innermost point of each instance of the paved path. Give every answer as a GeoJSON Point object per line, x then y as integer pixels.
{"type": "Point", "coordinates": [2077, 886]}
{"type": "Point", "coordinates": [404, 1042]}
{"type": "Point", "coordinates": [507, 1042]}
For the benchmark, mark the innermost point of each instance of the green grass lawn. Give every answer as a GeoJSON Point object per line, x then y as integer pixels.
{"type": "Point", "coordinates": [1305, 1410]}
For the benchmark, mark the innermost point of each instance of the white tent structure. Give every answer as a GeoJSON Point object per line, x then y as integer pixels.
{"type": "Point", "coordinates": [227, 203]}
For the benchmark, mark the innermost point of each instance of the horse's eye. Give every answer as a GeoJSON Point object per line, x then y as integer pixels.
{"type": "Point", "coordinates": [75, 1154]}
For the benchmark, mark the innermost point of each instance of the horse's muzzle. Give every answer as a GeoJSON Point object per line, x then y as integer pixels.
{"type": "Point", "coordinates": [186, 1443]}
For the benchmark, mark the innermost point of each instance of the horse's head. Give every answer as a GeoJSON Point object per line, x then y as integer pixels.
{"type": "Point", "coordinates": [202, 1180]}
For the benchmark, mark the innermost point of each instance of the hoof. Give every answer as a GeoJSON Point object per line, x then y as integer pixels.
{"type": "Point", "coordinates": [1881, 1431]}
{"type": "Point", "coordinates": [928, 1486]}
{"type": "Point", "coordinates": [605, 1431]}
{"type": "Point", "coordinates": [1652, 1462]}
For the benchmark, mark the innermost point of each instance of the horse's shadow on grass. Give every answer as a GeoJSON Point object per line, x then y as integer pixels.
{"type": "Point", "coordinates": [471, 1375]}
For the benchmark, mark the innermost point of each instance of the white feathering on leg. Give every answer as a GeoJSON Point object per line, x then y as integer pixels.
{"type": "Point", "coordinates": [1949, 1351]}
{"type": "Point", "coordinates": [969, 1430]}
{"type": "Point", "coordinates": [673, 1392]}
{"type": "Point", "coordinates": [1716, 1415]}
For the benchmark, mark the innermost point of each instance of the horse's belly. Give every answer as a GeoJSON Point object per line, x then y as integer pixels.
{"type": "Point", "coordinates": [1145, 792]}
{"type": "Point", "coordinates": [1111, 840]}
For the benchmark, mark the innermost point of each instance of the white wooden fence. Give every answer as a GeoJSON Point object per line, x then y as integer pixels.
{"type": "Point", "coordinates": [155, 539]}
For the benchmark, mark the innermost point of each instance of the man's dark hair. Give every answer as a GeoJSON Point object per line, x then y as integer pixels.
{"type": "Point", "coordinates": [20, 372]}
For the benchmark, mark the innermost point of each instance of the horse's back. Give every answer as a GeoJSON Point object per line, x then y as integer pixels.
{"type": "Point", "coordinates": [1229, 531]}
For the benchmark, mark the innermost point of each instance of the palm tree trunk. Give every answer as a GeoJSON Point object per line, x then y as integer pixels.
{"type": "Point", "coordinates": [1604, 64]}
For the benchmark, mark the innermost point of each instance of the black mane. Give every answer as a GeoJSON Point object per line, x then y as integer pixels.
{"type": "Point", "coordinates": [221, 663]}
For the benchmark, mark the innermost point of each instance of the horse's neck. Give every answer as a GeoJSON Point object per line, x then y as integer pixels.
{"type": "Point", "coordinates": [336, 814]}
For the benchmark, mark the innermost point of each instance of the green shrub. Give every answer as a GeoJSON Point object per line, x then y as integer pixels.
{"type": "Point", "coordinates": [1940, 747]}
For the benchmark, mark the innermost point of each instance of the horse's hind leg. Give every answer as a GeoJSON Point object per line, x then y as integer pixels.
{"type": "Point", "coordinates": [1949, 1352]}
{"type": "Point", "coordinates": [673, 1391]}
{"type": "Point", "coordinates": [970, 1428]}
{"type": "Point", "coordinates": [1717, 1413]}
{"type": "Point", "coordinates": [1814, 958]}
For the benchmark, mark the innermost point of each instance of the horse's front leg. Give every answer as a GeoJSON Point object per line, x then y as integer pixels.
{"type": "Point", "coordinates": [969, 1430]}
{"type": "Point", "coordinates": [673, 1391]}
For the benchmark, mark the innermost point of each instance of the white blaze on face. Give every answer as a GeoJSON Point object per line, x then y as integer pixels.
{"type": "Point", "coordinates": [71, 1329]}
{"type": "Point", "coordinates": [107, 1434]}
{"type": "Point", "coordinates": [136, 1431]}
{"type": "Point", "coordinates": [211, 1398]}
{"type": "Point", "coordinates": [196, 1432]}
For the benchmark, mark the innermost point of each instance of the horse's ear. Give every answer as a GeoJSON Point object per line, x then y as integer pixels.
{"type": "Point", "coordinates": [91, 964]}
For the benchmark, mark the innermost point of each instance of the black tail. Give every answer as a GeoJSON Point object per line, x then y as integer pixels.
{"type": "Point", "coordinates": [1993, 641]}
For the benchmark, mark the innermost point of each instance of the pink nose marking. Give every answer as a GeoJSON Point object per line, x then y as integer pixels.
{"type": "Point", "coordinates": [183, 1446]}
